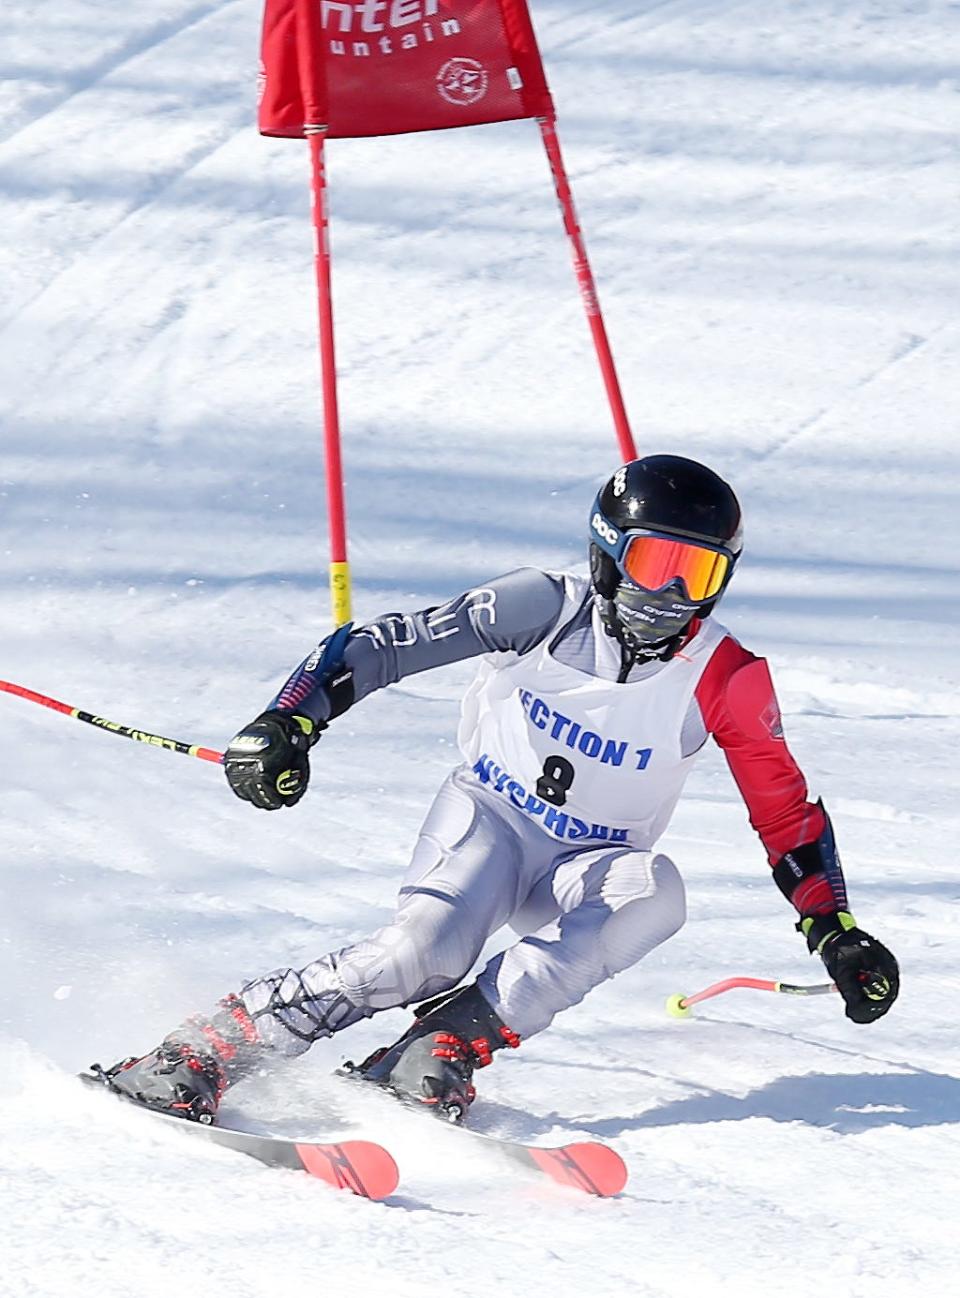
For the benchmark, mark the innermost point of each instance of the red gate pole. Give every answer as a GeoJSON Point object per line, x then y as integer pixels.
{"type": "Point", "coordinates": [336, 509]}
{"type": "Point", "coordinates": [588, 290]}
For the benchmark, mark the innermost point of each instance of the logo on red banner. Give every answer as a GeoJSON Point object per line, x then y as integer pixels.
{"type": "Point", "coordinates": [462, 81]}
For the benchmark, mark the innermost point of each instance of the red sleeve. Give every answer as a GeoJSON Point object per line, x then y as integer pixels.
{"type": "Point", "coordinates": [740, 709]}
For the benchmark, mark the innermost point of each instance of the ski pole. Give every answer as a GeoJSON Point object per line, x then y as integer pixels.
{"type": "Point", "coordinates": [112, 727]}
{"type": "Point", "coordinates": [680, 1006]}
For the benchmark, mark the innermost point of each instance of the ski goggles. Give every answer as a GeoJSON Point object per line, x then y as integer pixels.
{"type": "Point", "coordinates": [655, 562]}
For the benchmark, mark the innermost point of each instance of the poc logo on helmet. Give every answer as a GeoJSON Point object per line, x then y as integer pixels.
{"type": "Point", "coordinates": [604, 530]}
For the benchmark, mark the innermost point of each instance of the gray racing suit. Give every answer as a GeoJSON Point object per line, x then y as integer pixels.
{"type": "Point", "coordinates": [585, 903]}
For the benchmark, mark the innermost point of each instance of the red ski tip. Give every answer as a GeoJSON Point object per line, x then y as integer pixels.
{"type": "Point", "coordinates": [357, 1165]}
{"type": "Point", "coordinates": [589, 1166]}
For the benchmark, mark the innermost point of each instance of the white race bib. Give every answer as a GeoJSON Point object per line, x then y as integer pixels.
{"type": "Point", "coordinates": [588, 759]}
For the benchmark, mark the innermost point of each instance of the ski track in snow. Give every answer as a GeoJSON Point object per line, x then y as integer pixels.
{"type": "Point", "coordinates": [86, 77]}
{"type": "Point", "coordinates": [770, 201]}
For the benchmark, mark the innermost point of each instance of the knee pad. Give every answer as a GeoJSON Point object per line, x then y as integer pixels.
{"type": "Point", "coordinates": [670, 892]}
{"type": "Point", "coordinates": [648, 918]}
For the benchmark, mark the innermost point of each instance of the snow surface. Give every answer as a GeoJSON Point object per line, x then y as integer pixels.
{"type": "Point", "coordinates": [770, 194]}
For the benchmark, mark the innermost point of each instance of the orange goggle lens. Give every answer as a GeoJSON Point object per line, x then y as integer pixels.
{"type": "Point", "coordinates": [654, 562]}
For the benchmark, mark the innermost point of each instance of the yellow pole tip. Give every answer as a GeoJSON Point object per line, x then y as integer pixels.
{"type": "Point", "coordinates": [676, 1007]}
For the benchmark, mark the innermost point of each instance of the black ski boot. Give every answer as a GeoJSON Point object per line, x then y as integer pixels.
{"type": "Point", "coordinates": [189, 1071]}
{"type": "Point", "coordinates": [433, 1061]}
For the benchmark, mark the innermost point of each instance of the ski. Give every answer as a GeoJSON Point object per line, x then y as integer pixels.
{"type": "Point", "coordinates": [360, 1166]}
{"type": "Point", "coordinates": [587, 1165]}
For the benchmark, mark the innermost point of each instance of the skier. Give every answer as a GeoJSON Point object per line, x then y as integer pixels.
{"type": "Point", "coordinates": [592, 699]}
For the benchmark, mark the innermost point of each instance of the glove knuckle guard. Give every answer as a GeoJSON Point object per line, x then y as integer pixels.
{"type": "Point", "coordinates": [267, 763]}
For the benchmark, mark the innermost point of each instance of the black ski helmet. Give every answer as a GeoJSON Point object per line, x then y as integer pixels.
{"type": "Point", "coordinates": [670, 497]}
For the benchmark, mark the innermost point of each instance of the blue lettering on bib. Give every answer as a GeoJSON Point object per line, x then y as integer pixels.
{"type": "Point", "coordinates": [609, 752]}
{"type": "Point", "coordinates": [556, 822]}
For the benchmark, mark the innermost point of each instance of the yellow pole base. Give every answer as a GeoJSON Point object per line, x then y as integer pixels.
{"type": "Point", "coordinates": [676, 1007]}
{"type": "Point", "coordinates": [340, 592]}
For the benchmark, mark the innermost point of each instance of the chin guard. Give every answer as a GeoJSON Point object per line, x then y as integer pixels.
{"type": "Point", "coordinates": [633, 652]}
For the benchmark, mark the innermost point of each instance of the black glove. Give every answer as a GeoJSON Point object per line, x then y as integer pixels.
{"type": "Point", "coordinates": [267, 762]}
{"type": "Point", "coordinates": [866, 973]}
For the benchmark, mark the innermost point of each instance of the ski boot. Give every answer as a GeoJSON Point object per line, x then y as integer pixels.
{"type": "Point", "coordinates": [433, 1061]}
{"type": "Point", "coordinates": [189, 1071]}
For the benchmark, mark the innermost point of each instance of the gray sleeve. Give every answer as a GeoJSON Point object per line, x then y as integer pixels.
{"type": "Point", "coordinates": [510, 613]}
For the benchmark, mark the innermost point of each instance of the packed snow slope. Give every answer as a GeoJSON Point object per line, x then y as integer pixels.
{"type": "Point", "coordinates": [770, 194]}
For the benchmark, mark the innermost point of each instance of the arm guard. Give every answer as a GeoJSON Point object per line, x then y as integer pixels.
{"type": "Point", "coordinates": [810, 876]}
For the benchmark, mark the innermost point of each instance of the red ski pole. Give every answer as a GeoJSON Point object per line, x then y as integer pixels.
{"type": "Point", "coordinates": [336, 509]}
{"type": "Point", "coordinates": [588, 289]}
{"type": "Point", "coordinates": [112, 727]}
{"type": "Point", "coordinates": [680, 1006]}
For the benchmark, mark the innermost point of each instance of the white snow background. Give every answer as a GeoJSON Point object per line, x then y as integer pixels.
{"type": "Point", "coordinates": [770, 196]}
